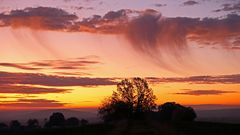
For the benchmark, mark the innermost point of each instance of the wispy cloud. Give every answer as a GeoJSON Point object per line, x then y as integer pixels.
{"type": "Point", "coordinates": [190, 3]}
{"type": "Point", "coordinates": [204, 92]}
{"type": "Point", "coordinates": [16, 89]}
{"type": "Point", "coordinates": [18, 66]}
{"type": "Point", "coordinates": [147, 31]}
{"type": "Point", "coordinates": [26, 103]}
{"type": "Point", "coordinates": [161, 32]}
{"type": "Point", "coordinates": [160, 5]}
{"type": "Point", "coordinates": [7, 78]}
{"type": "Point", "coordinates": [154, 35]}
{"type": "Point", "coordinates": [235, 7]}
{"type": "Point", "coordinates": [61, 67]}
{"type": "Point", "coordinates": [221, 79]}
{"type": "Point", "coordinates": [40, 18]}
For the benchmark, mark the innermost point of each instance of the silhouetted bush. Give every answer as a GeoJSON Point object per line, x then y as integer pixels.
{"type": "Point", "coordinates": [132, 99]}
{"type": "Point", "coordinates": [33, 124]}
{"type": "Point", "coordinates": [56, 120]}
{"type": "Point", "coordinates": [15, 125]}
{"type": "Point", "coordinates": [83, 122]}
{"type": "Point", "coordinates": [72, 122]}
{"type": "Point", "coordinates": [3, 126]}
{"type": "Point", "coordinates": [115, 111]}
{"type": "Point", "coordinates": [171, 111]}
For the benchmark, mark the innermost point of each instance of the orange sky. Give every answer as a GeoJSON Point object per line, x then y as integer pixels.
{"type": "Point", "coordinates": [59, 55]}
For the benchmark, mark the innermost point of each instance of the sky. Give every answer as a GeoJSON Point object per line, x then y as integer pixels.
{"type": "Point", "coordinates": [72, 53]}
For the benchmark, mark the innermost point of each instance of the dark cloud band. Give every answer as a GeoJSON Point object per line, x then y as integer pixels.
{"type": "Point", "coordinates": [31, 103]}
{"type": "Point", "coordinates": [204, 92]}
{"type": "Point", "coordinates": [221, 79]}
{"type": "Point", "coordinates": [7, 78]}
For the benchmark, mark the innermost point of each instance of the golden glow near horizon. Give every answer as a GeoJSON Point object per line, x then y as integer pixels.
{"type": "Point", "coordinates": [47, 54]}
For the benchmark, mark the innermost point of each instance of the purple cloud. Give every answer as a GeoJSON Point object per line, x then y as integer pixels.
{"type": "Point", "coordinates": [7, 78]}
{"type": "Point", "coordinates": [190, 3]}
{"type": "Point", "coordinates": [32, 103]}
{"type": "Point", "coordinates": [29, 89]}
{"type": "Point", "coordinates": [204, 92]}
{"type": "Point", "coordinates": [221, 79]}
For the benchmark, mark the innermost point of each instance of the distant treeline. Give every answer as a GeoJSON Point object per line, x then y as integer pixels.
{"type": "Point", "coordinates": [55, 120]}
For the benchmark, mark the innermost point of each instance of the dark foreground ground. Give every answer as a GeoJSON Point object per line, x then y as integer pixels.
{"type": "Point", "coordinates": [137, 127]}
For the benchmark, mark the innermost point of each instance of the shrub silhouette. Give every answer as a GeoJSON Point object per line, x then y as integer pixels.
{"type": "Point", "coordinates": [56, 120]}
{"type": "Point", "coordinates": [133, 97]}
{"type": "Point", "coordinates": [3, 126]}
{"type": "Point", "coordinates": [114, 110]}
{"type": "Point", "coordinates": [171, 111]}
{"type": "Point", "coordinates": [72, 122]}
{"type": "Point", "coordinates": [15, 125]}
{"type": "Point", "coordinates": [33, 123]}
{"type": "Point", "coordinates": [83, 122]}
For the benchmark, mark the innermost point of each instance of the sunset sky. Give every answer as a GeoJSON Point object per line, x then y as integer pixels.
{"type": "Point", "coordinates": [71, 53]}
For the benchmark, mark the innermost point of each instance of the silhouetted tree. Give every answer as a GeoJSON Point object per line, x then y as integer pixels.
{"type": "Point", "coordinates": [132, 97]}
{"type": "Point", "coordinates": [72, 122]}
{"type": "Point", "coordinates": [15, 125]}
{"type": "Point", "coordinates": [33, 123]}
{"type": "Point", "coordinates": [83, 122]}
{"type": "Point", "coordinates": [3, 126]}
{"type": "Point", "coordinates": [114, 110]}
{"type": "Point", "coordinates": [56, 120]}
{"type": "Point", "coordinates": [171, 111]}
{"type": "Point", "coordinates": [184, 114]}
{"type": "Point", "coordinates": [166, 110]}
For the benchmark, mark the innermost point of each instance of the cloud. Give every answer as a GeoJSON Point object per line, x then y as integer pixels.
{"type": "Point", "coordinates": [221, 32]}
{"type": "Point", "coordinates": [221, 79]}
{"type": "Point", "coordinates": [148, 32]}
{"type": "Point", "coordinates": [18, 96]}
{"type": "Point", "coordinates": [163, 31]}
{"type": "Point", "coordinates": [190, 3]}
{"type": "Point", "coordinates": [160, 5]}
{"type": "Point", "coordinates": [26, 103]}
{"type": "Point", "coordinates": [73, 73]}
{"type": "Point", "coordinates": [70, 66]}
{"type": "Point", "coordinates": [3, 97]}
{"type": "Point", "coordinates": [111, 15]}
{"type": "Point", "coordinates": [157, 36]}
{"type": "Point", "coordinates": [7, 78]}
{"type": "Point", "coordinates": [235, 7]}
{"type": "Point", "coordinates": [236, 48]}
{"type": "Point", "coordinates": [18, 66]}
{"type": "Point", "coordinates": [68, 0]}
{"type": "Point", "coordinates": [15, 89]}
{"type": "Point", "coordinates": [204, 92]}
{"type": "Point", "coordinates": [154, 35]}
{"type": "Point", "coordinates": [113, 22]}
{"type": "Point", "coordinates": [40, 18]}
{"type": "Point", "coordinates": [81, 8]}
